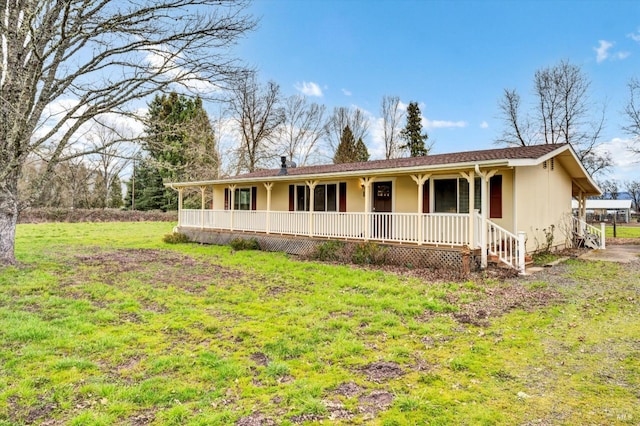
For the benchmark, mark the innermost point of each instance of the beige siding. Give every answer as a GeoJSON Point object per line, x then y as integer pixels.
{"type": "Point", "coordinates": [544, 199]}
{"type": "Point", "coordinates": [406, 195]}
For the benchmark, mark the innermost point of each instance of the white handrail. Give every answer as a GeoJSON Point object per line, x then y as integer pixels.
{"type": "Point", "coordinates": [587, 234]}
{"type": "Point", "coordinates": [507, 246]}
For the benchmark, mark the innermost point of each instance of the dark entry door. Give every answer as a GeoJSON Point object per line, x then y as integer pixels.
{"type": "Point", "coordinates": [382, 197]}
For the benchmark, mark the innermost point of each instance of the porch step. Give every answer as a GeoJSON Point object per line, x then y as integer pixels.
{"type": "Point", "coordinates": [494, 260]}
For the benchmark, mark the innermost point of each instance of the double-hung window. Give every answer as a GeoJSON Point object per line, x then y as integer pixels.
{"type": "Point", "coordinates": [452, 195]}
{"type": "Point", "coordinates": [325, 198]}
{"type": "Point", "coordinates": [243, 198]}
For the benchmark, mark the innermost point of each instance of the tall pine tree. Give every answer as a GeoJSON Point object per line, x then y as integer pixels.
{"type": "Point", "coordinates": [362, 153]}
{"type": "Point", "coordinates": [412, 133]}
{"type": "Point", "coordinates": [346, 150]}
{"type": "Point", "coordinates": [350, 151]}
{"type": "Point", "coordinates": [181, 146]}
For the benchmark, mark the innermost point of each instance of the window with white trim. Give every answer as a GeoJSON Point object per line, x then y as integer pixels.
{"type": "Point", "coordinates": [452, 195]}
{"type": "Point", "coordinates": [325, 198]}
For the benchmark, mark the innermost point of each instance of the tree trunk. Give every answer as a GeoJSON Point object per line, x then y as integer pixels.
{"type": "Point", "coordinates": [8, 220]}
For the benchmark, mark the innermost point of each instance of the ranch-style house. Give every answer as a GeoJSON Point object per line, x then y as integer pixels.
{"type": "Point", "coordinates": [493, 205]}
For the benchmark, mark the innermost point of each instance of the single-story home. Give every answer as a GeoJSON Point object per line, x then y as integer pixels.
{"type": "Point", "coordinates": [606, 210]}
{"type": "Point", "coordinates": [495, 204]}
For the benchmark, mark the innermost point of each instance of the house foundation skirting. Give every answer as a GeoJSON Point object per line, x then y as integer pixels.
{"type": "Point", "coordinates": [457, 259]}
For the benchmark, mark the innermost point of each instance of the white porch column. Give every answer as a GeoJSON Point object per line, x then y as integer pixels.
{"type": "Point", "coordinates": [603, 244]}
{"type": "Point", "coordinates": [180, 190]}
{"type": "Point", "coordinates": [268, 186]}
{"type": "Point", "coordinates": [484, 183]}
{"type": "Point", "coordinates": [312, 186]}
{"type": "Point", "coordinates": [232, 199]}
{"type": "Point", "coordinates": [366, 184]}
{"type": "Point", "coordinates": [522, 236]}
{"type": "Point", "coordinates": [582, 213]}
{"type": "Point", "coordinates": [202, 198]}
{"type": "Point", "coordinates": [470, 177]}
{"type": "Point", "coordinates": [420, 180]}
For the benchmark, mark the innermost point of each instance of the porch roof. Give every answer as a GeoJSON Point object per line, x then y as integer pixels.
{"type": "Point", "coordinates": [503, 157]}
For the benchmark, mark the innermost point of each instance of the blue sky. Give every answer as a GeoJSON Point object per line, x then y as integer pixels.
{"type": "Point", "coordinates": [453, 57]}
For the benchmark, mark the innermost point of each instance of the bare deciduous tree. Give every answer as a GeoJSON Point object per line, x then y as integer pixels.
{"type": "Point", "coordinates": [633, 189]}
{"type": "Point", "coordinates": [632, 111]}
{"type": "Point", "coordinates": [256, 110]}
{"type": "Point", "coordinates": [562, 114]}
{"type": "Point", "coordinates": [339, 120]}
{"type": "Point", "coordinates": [113, 154]}
{"type": "Point", "coordinates": [610, 189]}
{"type": "Point", "coordinates": [65, 63]}
{"type": "Point", "coordinates": [392, 116]}
{"type": "Point", "coordinates": [301, 129]}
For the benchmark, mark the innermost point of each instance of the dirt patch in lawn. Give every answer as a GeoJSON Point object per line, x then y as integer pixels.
{"type": "Point", "coordinates": [497, 301]}
{"type": "Point", "coordinates": [160, 267]}
{"type": "Point", "coordinates": [382, 371]}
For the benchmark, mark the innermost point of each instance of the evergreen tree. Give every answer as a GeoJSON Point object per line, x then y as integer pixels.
{"type": "Point", "coordinates": [362, 153]}
{"type": "Point", "coordinates": [180, 142]}
{"type": "Point", "coordinates": [412, 133]}
{"type": "Point", "coordinates": [346, 150]}
{"type": "Point", "coordinates": [115, 193]}
{"type": "Point", "coordinates": [145, 190]}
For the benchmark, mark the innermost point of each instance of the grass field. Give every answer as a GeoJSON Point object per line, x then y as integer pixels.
{"type": "Point", "coordinates": [623, 231]}
{"type": "Point", "coordinates": [105, 324]}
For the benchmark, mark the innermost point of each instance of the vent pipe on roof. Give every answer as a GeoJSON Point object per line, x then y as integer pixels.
{"type": "Point", "coordinates": [283, 166]}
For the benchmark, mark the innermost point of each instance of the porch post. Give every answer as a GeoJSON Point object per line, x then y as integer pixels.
{"type": "Point", "coordinates": [521, 251]}
{"type": "Point", "coordinates": [420, 180]}
{"type": "Point", "coordinates": [202, 197]}
{"type": "Point", "coordinates": [312, 186]}
{"type": "Point", "coordinates": [470, 177]}
{"type": "Point", "coordinates": [366, 184]}
{"type": "Point", "coordinates": [582, 213]}
{"type": "Point", "coordinates": [268, 186]}
{"type": "Point", "coordinates": [232, 199]}
{"type": "Point", "coordinates": [485, 176]}
{"type": "Point", "coordinates": [180, 206]}
{"type": "Point", "coordinates": [603, 244]}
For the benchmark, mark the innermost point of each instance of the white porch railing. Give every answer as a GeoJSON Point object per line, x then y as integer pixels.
{"type": "Point", "coordinates": [588, 235]}
{"type": "Point", "coordinates": [433, 228]}
{"type": "Point", "coordinates": [508, 247]}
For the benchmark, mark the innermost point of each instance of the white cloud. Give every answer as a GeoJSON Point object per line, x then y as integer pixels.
{"type": "Point", "coordinates": [309, 89]}
{"type": "Point", "coordinates": [484, 125]}
{"type": "Point", "coordinates": [346, 92]}
{"type": "Point", "coordinates": [622, 55]}
{"type": "Point", "coordinates": [635, 36]}
{"type": "Point", "coordinates": [443, 124]}
{"type": "Point", "coordinates": [602, 51]}
{"type": "Point", "coordinates": [163, 59]}
{"type": "Point", "coordinates": [625, 164]}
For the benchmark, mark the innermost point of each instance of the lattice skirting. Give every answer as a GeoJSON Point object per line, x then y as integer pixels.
{"type": "Point", "coordinates": [458, 259]}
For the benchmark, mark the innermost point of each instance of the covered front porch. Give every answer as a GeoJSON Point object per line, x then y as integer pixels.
{"type": "Point", "coordinates": [378, 222]}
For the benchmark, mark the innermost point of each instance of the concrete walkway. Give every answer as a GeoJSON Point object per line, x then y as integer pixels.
{"type": "Point", "coordinates": [615, 253]}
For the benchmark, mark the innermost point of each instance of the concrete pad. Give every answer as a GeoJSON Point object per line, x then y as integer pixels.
{"type": "Point", "coordinates": [615, 253]}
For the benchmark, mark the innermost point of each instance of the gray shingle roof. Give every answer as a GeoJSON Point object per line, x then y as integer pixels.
{"type": "Point", "coordinates": [515, 153]}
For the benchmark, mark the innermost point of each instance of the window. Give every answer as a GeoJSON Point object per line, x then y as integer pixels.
{"type": "Point", "coordinates": [452, 195]}
{"type": "Point", "coordinates": [464, 195]}
{"type": "Point", "coordinates": [325, 198]}
{"type": "Point", "coordinates": [445, 195]}
{"type": "Point", "coordinates": [243, 198]}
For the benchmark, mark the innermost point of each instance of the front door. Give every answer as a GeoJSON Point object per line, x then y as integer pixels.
{"type": "Point", "coordinates": [382, 203]}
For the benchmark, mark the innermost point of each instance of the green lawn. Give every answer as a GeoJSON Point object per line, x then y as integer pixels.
{"type": "Point", "coordinates": [623, 231]}
{"type": "Point", "coordinates": [105, 324]}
